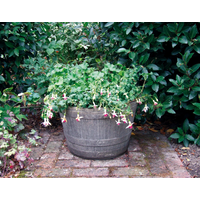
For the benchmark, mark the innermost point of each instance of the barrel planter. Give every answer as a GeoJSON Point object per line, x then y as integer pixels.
{"type": "Point", "coordinates": [94, 136]}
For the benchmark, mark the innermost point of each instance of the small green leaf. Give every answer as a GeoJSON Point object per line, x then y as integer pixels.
{"type": "Point", "coordinates": [135, 44]}
{"type": "Point", "coordinates": [186, 125]}
{"type": "Point", "coordinates": [9, 44]}
{"type": "Point", "coordinates": [163, 38]}
{"type": "Point", "coordinates": [173, 82]}
{"type": "Point", "coordinates": [109, 24]}
{"type": "Point", "coordinates": [20, 117]}
{"type": "Point", "coordinates": [132, 55]}
{"type": "Point", "coordinates": [193, 128]}
{"type": "Point", "coordinates": [122, 50]}
{"type": "Point", "coordinates": [172, 27]}
{"type": "Point", "coordinates": [153, 66]}
{"type": "Point", "coordinates": [172, 89]}
{"type": "Point", "coordinates": [16, 51]}
{"type": "Point", "coordinates": [193, 31]}
{"type": "Point", "coordinates": [174, 44]}
{"type": "Point", "coordinates": [181, 138]}
{"type": "Point", "coordinates": [197, 105]}
{"type": "Point", "coordinates": [195, 67]}
{"type": "Point", "coordinates": [50, 51]}
{"type": "Point", "coordinates": [2, 79]}
{"type": "Point", "coordinates": [22, 39]}
{"type": "Point", "coordinates": [196, 88]}
{"type": "Point", "coordinates": [160, 112]}
{"type": "Point", "coordinates": [128, 31]}
{"type": "Point", "coordinates": [171, 111]}
{"type": "Point", "coordinates": [183, 39]}
{"type": "Point", "coordinates": [197, 48]}
{"type": "Point", "coordinates": [155, 87]}
{"type": "Point", "coordinates": [36, 95]}
{"type": "Point", "coordinates": [185, 142]}
{"type": "Point", "coordinates": [147, 45]}
{"type": "Point", "coordinates": [197, 141]}
{"type": "Point", "coordinates": [123, 42]}
{"type": "Point", "coordinates": [197, 112]}
{"type": "Point", "coordinates": [192, 95]}
{"type": "Point", "coordinates": [175, 135]}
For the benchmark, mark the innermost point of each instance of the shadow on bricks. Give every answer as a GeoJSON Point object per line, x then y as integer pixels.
{"type": "Point", "coordinates": [149, 155]}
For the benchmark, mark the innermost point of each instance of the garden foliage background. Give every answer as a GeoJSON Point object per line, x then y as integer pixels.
{"type": "Point", "coordinates": [169, 51]}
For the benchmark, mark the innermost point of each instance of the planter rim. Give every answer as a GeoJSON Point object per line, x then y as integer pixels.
{"type": "Point", "coordinates": [89, 113]}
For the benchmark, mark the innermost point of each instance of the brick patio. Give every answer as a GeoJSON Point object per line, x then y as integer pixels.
{"type": "Point", "coordinates": [149, 156]}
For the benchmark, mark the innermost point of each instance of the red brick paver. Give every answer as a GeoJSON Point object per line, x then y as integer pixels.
{"type": "Point", "coordinates": [149, 155]}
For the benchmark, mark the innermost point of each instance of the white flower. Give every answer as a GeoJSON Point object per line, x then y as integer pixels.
{"type": "Point", "coordinates": [124, 120]}
{"type": "Point", "coordinates": [109, 93]}
{"type": "Point", "coordinates": [64, 96]}
{"type": "Point", "coordinates": [122, 116]}
{"type": "Point", "coordinates": [114, 114]}
{"type": "Point", "coordinates": [20, 94]}
{"type": "Point", "coordinates": [53, 96]}
{"type": "Point", "coordinates": [101, 91]}
{"type": "Point", "coordinates": [126, 95]}
{"type": "Point", "coordinates": [155, 103]}
{"type": "Point", "coordinates": [46, 122]}
{"type": "Point", "coordinates": [95, 106]}
{"type": "Point", "coordinates": [130, 125]}
{"type": "Point", "coordinates": [49, 114]}
{"type": "Point", "coordinates": [138, 101]}
{"type": "Point", "coordinates": [64, 119]}
{"type": "Point", "coordinates": [145, 108]}
{"type": "Point", "coordinates": [118, 122]}
{"type": "Point", "coordinates": [50, 107]}
{"type": "Point", "coordinates": [105, 113]}
{"type": "Point", "coordinates": [78, 118]}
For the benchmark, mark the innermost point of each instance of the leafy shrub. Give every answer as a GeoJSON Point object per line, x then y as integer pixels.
{"type": "Point", "coordinates": [13, 152]}
{"type": "Point", "coordinates": [188, 133]}
{"type": "Point", "coordinates": [111, 89]}
{"type": "Point", "coordinates": [170, 51]}
{"type": "Point", "coordinates": [18, 41]}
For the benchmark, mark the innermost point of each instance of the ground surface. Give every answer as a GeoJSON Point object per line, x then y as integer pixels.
{"type": "Point", "coordinates": [150, 154]}
{"type": "Point", "coordinates": [189, 156]}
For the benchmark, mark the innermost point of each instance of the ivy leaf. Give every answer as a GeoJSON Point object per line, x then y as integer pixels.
{"type": "Point", "coordinates": [20, 117]}
{"type": "Point", "coordinates": [50, 51]}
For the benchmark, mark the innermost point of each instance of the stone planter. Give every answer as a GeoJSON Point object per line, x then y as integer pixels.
{"type": "Point", "coordinates": [94, 136]}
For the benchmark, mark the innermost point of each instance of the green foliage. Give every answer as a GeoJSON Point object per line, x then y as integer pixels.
{"type": "Point", "coordinates": [112, 87]}
{"type": "Point", "coordinates": [13, 153]}
{"type": "Point", "coordinates": [169, 51]}
{"type": "Point", "coordinates": [188, 133]}
{"type": "Point", "coordinates": [18, 41]}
